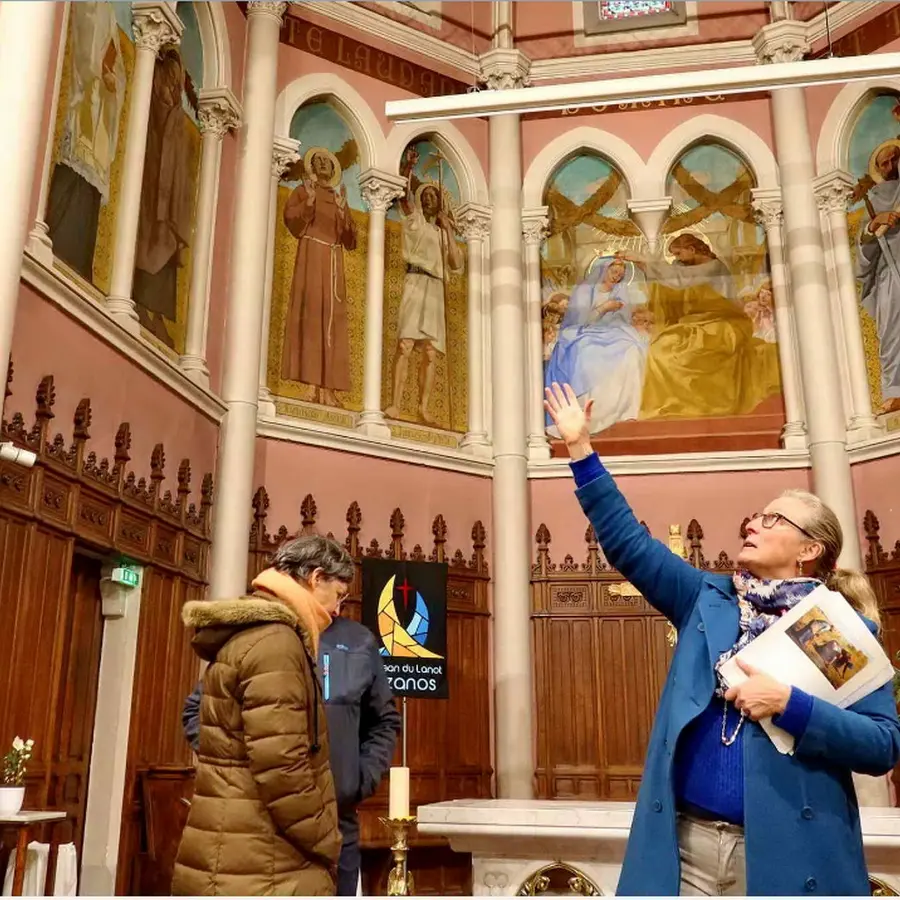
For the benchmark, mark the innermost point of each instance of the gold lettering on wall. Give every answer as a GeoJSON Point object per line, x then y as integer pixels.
{"type": "Point", "coordinates": [353, 54]}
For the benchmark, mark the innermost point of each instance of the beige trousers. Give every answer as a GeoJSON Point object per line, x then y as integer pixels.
{"type": "Point", "coordinates": [712, 858]}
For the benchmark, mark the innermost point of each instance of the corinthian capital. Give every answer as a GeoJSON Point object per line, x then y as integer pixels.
{"type": "Point", "coordinates": [767, 208]}
{"type": "Point", "coordinates": [155, 25]}
{"type": "Point", "coordinates": [833, 191]}
{"type": "Point", "coordinates": [219, 112]}
{"type": "Point", "coordinates": [380, 189]}
{"type": "Point", "coordinates": [474, 221]}
{"type": "Point", "coordinates": [285, 152]}
{"type": "Point", "coordinates": [781, 42]}
{"type": "Point", "coordinates": [270, 8]}
{"type": "Point", "coordinates": [535, 224]}
{"type": "Point", "coordinates": [504, 69]}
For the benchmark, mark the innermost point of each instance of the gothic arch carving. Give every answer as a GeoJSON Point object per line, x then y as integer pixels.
{"type": "Point", "coordinates": [833, 146]}
{"type": "Point", "coordinates": [355, 110]}
{"type": "Point", "coordinates": [615, 150]}
{"type": "Point", "coordinates": [453, 144]}
{"type": "Point", "coordinates": [709, 129]}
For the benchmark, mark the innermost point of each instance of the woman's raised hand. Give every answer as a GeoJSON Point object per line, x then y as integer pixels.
{"type": "Point", "coordinates": [572, 422]}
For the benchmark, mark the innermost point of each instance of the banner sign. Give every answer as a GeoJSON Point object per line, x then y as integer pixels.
{"type": "Point", "coordinates": [404, 604]}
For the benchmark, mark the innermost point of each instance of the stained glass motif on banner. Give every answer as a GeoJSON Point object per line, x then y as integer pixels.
{"type": "Point", "coordinates": [614, 10]}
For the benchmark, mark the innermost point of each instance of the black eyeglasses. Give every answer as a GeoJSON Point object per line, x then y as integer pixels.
{"type": "Point", "coordinates": [770, 520]}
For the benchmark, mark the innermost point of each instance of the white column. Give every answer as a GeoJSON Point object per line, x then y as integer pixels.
{"type": "Point", "coordinates": [285, 152]}
{"type": "Point", "coordinates": [379, 190]}
{"type": "Point", "coordinates": [219, 113]}
{"type": "Point", "coordinates": [26, 36]}
{"type": "Point", "coordinates": [513, 666]}
{"type": "Point", "coordinates": [39, 243]}
{"type": "Point", "coordinates": [155, 26]}
{"type": "Point", "coordinates": [768, 211]}
{"type": "Point", "coordinates": [475, 222]}
{"type": "Point", "coordinates": [780, 42]}
{"type": "Point", "coordinates": [833, 192]}
{"type": "Point", "coordinates": [650, 214]}
{"type": "Point", "coordinates": [112, 723]}
{"type": "Point", "coordinates": [240, 390]}
{"type": "Point", "coordinates": [534, 231]}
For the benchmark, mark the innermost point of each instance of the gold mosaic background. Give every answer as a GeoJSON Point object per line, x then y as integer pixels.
{"type": "Point", "coordinates": [105, 246]}
{"type": "Point", "coordinates": [449, 400]}
{"type": "Point", "coordinates": [869, 332]}
{"type": "Point", "coordinates": [355, 277]}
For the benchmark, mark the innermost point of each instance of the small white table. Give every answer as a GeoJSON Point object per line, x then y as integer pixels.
{"type": "Point", "coordinates": [513, 841]}
{"type": "Point", "coordinates": [23, 822]}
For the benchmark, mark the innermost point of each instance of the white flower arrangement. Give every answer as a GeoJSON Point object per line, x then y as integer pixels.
{"type": "Point", "coordinates": [15, 762]}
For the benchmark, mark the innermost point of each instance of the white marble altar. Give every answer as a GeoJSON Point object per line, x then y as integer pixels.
{"type": "Point", "coordinates": [512, 840]}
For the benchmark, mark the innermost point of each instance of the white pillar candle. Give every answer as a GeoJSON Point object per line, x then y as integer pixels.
{"type": "Point", "coordinates": [398, 805]}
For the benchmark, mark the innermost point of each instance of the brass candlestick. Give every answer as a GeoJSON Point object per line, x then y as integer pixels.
{"type": "Point", "coordinates": [400, 880]}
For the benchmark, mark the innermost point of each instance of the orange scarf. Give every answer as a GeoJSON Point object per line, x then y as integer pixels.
{"type": "Point", "coordinates": [313, 617]}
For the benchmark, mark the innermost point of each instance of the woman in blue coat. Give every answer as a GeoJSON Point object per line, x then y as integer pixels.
{"type": "Point", "coordinates": [720, 810]}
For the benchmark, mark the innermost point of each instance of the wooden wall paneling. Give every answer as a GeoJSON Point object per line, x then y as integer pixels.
{"type": "Point", "coordinates": [79, 672]}
{"type": "Point", "coordinates": [448, 741]}
{"type": "Point", "coordinates": [601, 657]}
{"type": "Point", "coordinates": [72, 500]}
{"type": "Point", "coordinates": [883, 569]}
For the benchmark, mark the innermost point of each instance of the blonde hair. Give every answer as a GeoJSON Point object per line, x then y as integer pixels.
{"type": "Point", "coordinates": [824, 527]}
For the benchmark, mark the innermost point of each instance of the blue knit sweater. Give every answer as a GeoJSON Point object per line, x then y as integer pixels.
{"type": "Point", "coordinates": [708, 775]}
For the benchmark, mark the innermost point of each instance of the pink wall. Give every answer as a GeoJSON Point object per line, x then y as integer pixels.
{"type": "Point", "coordinates": [335, 479]}
{"type": "Point", "coordinates": [47, 342]}
{"type": "Point", "coordinates": [643, 129]}
{"type": "Point", "coordinates": [294, 63]}
{"type": "Point", "coordinates": [546, 30]}
{"type": "Point", "coordinates": [719, 501]}
{"type": "Point", "coordinates": [820, 99]}
{"type": "Point", "coordinates": [875, 485]}
{"type": "Point", "coordinates": [465, 25]}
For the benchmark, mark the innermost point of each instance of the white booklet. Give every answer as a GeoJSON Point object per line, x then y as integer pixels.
{"type": "Point", "coordinates": [821, 646]}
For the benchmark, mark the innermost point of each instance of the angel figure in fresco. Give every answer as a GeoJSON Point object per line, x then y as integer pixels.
{"type": "Point", "coordinates": [758, 305]}
{"type": "Point", "coordinates": [80, 185]}
{"type": "Point", "coordinates": [878, 263]}
{"type": "Point", "coordinates": [601, 348]}
{"type": "Point", "coordinates": [703, 359]}
{"type": "Point", "coordinates": [166, 216]}
{"type": "Point", "coordinates": [430, 251]}
{"type": "Point", "coordinates": [317, 339]}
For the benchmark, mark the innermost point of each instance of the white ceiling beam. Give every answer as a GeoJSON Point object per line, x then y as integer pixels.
{"type": "Point", "coordinates": [646, 88]}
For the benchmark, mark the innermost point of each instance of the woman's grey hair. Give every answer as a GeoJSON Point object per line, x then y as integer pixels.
{"type": "Point", "coordinates": [301, 556]}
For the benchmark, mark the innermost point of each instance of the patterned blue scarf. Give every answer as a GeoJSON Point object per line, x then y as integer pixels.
{"type": "Point", "coordinates": [762, 602]}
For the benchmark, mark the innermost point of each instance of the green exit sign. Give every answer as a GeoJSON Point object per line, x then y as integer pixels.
{"type": "Point", "coordinates": [125, 575]}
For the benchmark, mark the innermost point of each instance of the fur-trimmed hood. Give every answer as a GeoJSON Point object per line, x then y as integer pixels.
{"type": "Point", "coordinates": [217, 621]}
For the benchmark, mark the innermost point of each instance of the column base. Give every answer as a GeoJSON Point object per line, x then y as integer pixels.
{"type": "Point", "coordinates": [195, 369]}
{"type": "Point", "coordinates": [477, 444]}
{"type": "Point", "coordinates": [39, 244]}
{"type": "Point", "coordinates": [122, 311]}
{"type": "Point", "coordinates": [863, 428]}
{"type": "Point", "coordinates": [538, 447]}
{"type": "Point", "coordinates": [266, 403]}
{"type": "Point", "coordinates": [793, 436]}
{"type": "Point", "coordinates": [371, 423]}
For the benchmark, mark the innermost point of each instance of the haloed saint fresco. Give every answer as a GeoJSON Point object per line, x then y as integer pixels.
{"type": "Point", "coordinates": [874, 223]}
{"type": "Point", "coordinates": [683, 333]}
{"type": "Point", "coordinates": [425, 310]}
{"type": "Point", "coordinates": [318, 288]}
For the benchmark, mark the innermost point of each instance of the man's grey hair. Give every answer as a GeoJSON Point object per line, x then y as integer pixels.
{"type": "Point", "coordinates": [301, 556]}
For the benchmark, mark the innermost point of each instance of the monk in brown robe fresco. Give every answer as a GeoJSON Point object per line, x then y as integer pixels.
{"type": "Point", "coordinates": [166, 215]}
{"type": "Point", "coordinates": [317, 340]}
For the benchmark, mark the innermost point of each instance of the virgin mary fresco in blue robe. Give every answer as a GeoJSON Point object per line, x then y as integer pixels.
{"type": "Point", "coordinates": [601, 348]}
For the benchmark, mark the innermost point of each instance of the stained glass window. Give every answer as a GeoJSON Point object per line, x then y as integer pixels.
{"type": "Point", "coordinates": [614, 10]}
